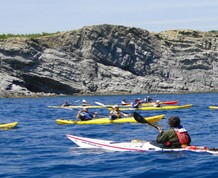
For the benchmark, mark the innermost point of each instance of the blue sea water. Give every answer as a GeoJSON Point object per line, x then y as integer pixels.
{"type": "Point", "coordinates": [38, 147]}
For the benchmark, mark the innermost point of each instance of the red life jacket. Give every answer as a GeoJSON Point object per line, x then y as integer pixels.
{"type": "Point", "coordinates": [183, 136]}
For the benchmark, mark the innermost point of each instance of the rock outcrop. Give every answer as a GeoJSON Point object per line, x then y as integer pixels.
{"type": "Point", "coordinates": [108, 59]}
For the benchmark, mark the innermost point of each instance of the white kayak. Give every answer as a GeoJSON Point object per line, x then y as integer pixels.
{"type": "Point", "coordinates": [134, 145]}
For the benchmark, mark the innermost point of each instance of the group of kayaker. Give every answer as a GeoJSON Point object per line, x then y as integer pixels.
{"type": "Point", "coordinates": [175, 137]}
{"type": "Point", "coordinates": [85, 115]}
{"type": "Point", "coordinates": [137, 102]}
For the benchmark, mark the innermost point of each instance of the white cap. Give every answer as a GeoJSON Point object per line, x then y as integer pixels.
{"type": "Point", "coordinates": [158, 101]}
{"type": "Point", "coordinates": [84, 101]}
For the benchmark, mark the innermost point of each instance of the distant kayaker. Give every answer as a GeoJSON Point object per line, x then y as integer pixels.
{"type": "Point", "coordinates": [65, 104]}
{"type": "Point", "coordinates": [148, 99]}
{"type": "Point", "coordinates": [116, 113]}
{"type": "Point", "coordinates": [84, 115]}
{"type": "Point", "coordinates": [136, 103]}
{"type": "Point", "coordinates": [175, 137]}
{"type": "Point", "coordinates": [157, 104]}
{"type": "Point", "coordinates": [124, 102]}
{"type": "Point", "coordinates": [84, 103]}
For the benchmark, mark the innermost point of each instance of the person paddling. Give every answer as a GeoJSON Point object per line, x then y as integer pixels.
{"type": "Point", "coordinates": [175, 137]}
{"type": "Point", "coordinates": [124, 102]}
{"type": "Point", "coordinates": [136, 103]}
{"type": "Point", "coordinates": [65, 104]}
{"type": "Point", "coordinates": [116, 113]}
{"type": "Point", "coordinates": [84, 115]}
{"type": "Point", "coordinates": [157, 104]}
{"type": "Point", "coordinates": [148, 99]}
{"type": "Point", "coordinates": [85, 103]}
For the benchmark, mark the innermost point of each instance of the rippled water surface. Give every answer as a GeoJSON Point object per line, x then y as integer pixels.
{"type": "Point", "coordinates": [38, 147]}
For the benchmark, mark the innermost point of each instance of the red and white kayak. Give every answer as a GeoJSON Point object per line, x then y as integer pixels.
{"type": "Point", "coordinates": [134, 145]}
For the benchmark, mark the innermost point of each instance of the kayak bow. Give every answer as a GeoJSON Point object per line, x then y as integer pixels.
{"type": "Point", "coordinates": [6, 126]}
{"type": "Point", "coordinates": [213, 107]}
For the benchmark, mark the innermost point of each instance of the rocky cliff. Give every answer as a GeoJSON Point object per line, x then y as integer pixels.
{"type": "Point", "coordinates": [108, 59]}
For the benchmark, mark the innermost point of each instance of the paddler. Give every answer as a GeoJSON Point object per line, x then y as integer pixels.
{"type": "Point", "coordinates": [116, 113]}
{"type": "Point", "coordinates": [84, 115]}
{"type": "Point", "coordinates": [136, 103]}
{"type": "Point", "coordinates": [148, 99]}
{"type": "Point", "coordinates": [157, 104]}
{"type": "Point", "coordinates": [124, 102]}
{"type": "Point", "coordinates": [85, 103]}
{"type": "Point", "coordinates": [65, 104]}
{"type": "Point", "coordinates": [176, 136]}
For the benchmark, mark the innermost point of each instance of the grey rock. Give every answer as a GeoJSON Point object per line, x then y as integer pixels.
{"type": "Point", "coordinates": [109, 59]}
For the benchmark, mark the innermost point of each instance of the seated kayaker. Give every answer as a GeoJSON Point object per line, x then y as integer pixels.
{"type": "Point", "coordinates": [148, 99]}
{"type": "Point", "coordinates": [116, 113]}
{"type": "Point", "coordinates": [136, 103]}
{"type": "Point", "coordinates": [85, 103]}
{"type": "Point", "coordinates": [65, 104]}
{"type": "Point", "coordinates": [157, 104]}
{"type": "Point", "coordinates": [123, 102]}
{"type": "Point", "coordinates": [84, 115]}
{"type": "Point", "coordinates": [175, 137]}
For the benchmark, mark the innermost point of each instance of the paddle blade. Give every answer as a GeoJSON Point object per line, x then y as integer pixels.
{"type": "Point", "coordinates": [139, 118]}
{"type": "Point", "coordinates": [101, 104]}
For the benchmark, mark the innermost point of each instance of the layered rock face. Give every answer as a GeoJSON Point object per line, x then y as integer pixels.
{"type": "Point", "coordinates": [109, 59]}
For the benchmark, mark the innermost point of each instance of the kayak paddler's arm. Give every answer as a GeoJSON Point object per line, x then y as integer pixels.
{"type": "Point", "coordinates": [125, 114]}
{"type": "Point", "coordinates": [78, 114]}
{"type": "Point", "coordinates": [95, 114]}
{"type": "Point", "coordinates": [162, 137]}
{"type": "Point", "coordinates": [160, 130]}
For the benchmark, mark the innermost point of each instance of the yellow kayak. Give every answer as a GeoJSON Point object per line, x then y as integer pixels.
{"type": "Point", "coordinates": [151, 119]}
{"type": "Point", "coordinates": [7, 126]}
{"type": "Point", "coordinates": [157, 108]}
{"type": "Point", "coordinates": [213, 107]}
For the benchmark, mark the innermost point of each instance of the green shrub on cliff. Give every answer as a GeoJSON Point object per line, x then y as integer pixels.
{"type": "Point", "coordinates": [34, 35]}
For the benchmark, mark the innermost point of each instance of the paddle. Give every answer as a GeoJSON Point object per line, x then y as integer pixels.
{"type": "Point", "coordinates": [141, 119]}
{"type": "Point", "coordinates": [75, 102]}
{"type": "Point", "coordinates": [101, 104]}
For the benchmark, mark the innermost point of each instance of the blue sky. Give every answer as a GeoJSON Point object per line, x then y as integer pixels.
{"type": "Point", "coordinates": [36, 16]}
